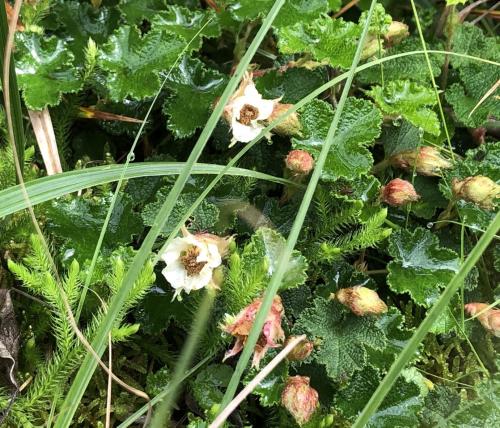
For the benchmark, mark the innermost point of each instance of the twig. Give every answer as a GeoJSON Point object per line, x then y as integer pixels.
{"type": "Point", "coordinates": [110, 384]}
{"type": "Point", "coordinates": [219, 420]}
{"type": "Point", "coordinates": [485, 96]}
{"type": "Point", "coordinates": [346, 8]}
{"type": "Point", "coordinates": [482, 13]}
{"type": "Point", "coordinates": [466, 10]}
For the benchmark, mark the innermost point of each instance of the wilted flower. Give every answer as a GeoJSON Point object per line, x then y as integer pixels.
{"type": "Point", "coordinates": [398, 193]}
{"type": "Point", "coordinates": [246, 110]}
{"type": "Point", "coordinates": [301, 350]}
{"type": "Point", "coordinates": [299, 162]}
{"type": "Point", "coordinates": [300, 399]}
{"type": "Point", "coordinates": [361, 300]}
{"type": "Point", "coordinates": [241, 324]}
{"type": "Point", "coordinates": [290, 126]}
{"type": "Point", "coordinates": [191, 260]}
{"type": "Point", "coordinates": [426, 161]}
{"type": "Point", "coordinates": [479, 190]}
{"type": "Point", "coordinates": [489, 319]}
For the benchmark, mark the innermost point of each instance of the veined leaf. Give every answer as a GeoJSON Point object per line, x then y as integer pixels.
{"type": "Point", "coordinates": [135, 11]}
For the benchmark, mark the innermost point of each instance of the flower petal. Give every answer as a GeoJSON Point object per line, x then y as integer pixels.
{"type": "Point", "coordinates": [265, 108]}
{"type": "Point", "coordinates": [244, 133]}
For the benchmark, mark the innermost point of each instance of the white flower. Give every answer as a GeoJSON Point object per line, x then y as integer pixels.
{"type": "Point", "coordinates": [190, 262]}
{"type": "Point", "coordinates": [246, 110]}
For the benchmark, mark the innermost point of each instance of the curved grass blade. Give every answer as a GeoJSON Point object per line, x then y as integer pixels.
{"type": "Point", "coordinates": [88, 366]}
{"type": "Point", "coordinates": [47, 188]}
{"type": "Point", "coordinates": [296, 228]}
{"type": "Point", "coordinates": [441, 305]}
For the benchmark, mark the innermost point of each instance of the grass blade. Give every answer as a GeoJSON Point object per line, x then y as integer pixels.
{"type": "Point", "coordinates": [438, 308]}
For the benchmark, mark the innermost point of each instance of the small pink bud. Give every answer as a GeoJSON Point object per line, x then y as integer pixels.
{"type": "Point", "coordinates": [489, 318]}
{"type": "Point", "coordinates": [426, 161]}
{"type": "Point", "coordinates": [479, 190]}
{"type": "Point", "coordinates": [299, 162]}
{"type": "Point", "coordinates": [288, 127]}
{"type": "Point", "coordinates": [398, 193]}
{"type": "Point", "coordinates": [301, 351]}
{"type": "Point", "coordinates": [361, 300]}
{"type": "Point", "coordinates": [300, 399]}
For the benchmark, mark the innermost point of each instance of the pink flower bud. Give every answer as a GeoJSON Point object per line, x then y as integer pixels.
{"type": "Point", "coordinates": [290, 126]}
{"type": "Point", "coordinates": [300, 399]}
{"type": "Point", "coordinates": [479, 190]}
{"type": "Point", "coordinates": [489, 318]}
{"type": "Point", "coordinates": [361, 300]}
{"type": "Point", "coordinates": [301, 351]}
{"type": "Point", "coordinates": [299, 162]}
{"type": "Point", "coordinates": [426, 161]}
{"type": "Point", "coordinates": [240, 325]}
{"type": "Point", "coordinates": [398, 193]}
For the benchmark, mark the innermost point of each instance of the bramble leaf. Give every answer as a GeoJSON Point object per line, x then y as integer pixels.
{"type": "Point", "coordinates": [409, 100]}
{"type": "Point", "coordinates": [344, 337]}
{"type": "Point", "coordinates": [420, 266]}
{"type": "Point", "coordinates": [45, 71]}
{"type": "Point", "coordinates": [359, 126]}
{"type": "Point", "coordinates": [135, 11]}
{"type": "Point", "coordinates": [207, 385]}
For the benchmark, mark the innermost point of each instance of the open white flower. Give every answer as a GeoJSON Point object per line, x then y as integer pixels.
{"type": "Point", "coordinates": [246, 110]}
{"type": "Point", "coordinates": [190, 262]}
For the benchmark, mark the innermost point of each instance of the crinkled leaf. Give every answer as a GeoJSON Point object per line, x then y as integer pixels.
{"type": "Point", "coordinates": [45, 71]}
{"type": "Point", "coordinates": [430, 197]}
{"type": "Point", "coordinates": [270, 389]}
{"type": "Point", "coordinates": [208, 385]}
{"type": "Point", "coordinates": [156, 382]}
{"type": "Point", "coordinates": [343, 337]}
{"type": "Point", "coordinates": [410, 100]}
{"type": "Point", "coordinates": [420, 266]}
{"type": "Point", "coordinates": [292, 11]}
{"type": "Point", "coordinates": [399, 408]}
{"type": "Point", "coordinates": [133, 62]}
{"type": "Point", "coordinates": [77, 222]}
{"type": "Point", "coordinates": [195, 90]}
{"type": "Point", "coordinates": [135, 11]}
{"type": "Point", "coordinates": [296, 300]}
{"type": "Point", "coordinates": [439, 404]}
{"type": "Point", "coordinates": [359, 126]}
{"type": "Point", "coordinates": [326, 39]}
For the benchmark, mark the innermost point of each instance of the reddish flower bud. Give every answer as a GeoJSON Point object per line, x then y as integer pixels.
{"type": "Point", "coordinates": [299, 162]}
{"type": "Point", "coordinates": [300, 399]}
{"type": "Point", "coordinates": [426, 161]}
{"type": "Point", "coordinates": [361, 300]}
{"type": "Point", "coordinates": [398, 193]}
{"type": "Point", "coordinates": [301, 351]}
{"type": "Point", "coordinates": [240, 325]}
{"type": "Point", "coordinates": [479, 190]}
{"type": "Point", "coordinates": [290, 126]}
{"type": "Point", "coordinates": [489, 318]}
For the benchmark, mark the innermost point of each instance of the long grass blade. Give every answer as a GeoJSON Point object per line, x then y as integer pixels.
{"type": "Point", "coordinates": [296, 228]}
{"type": "Point", "coordinates": [88, 366]}
{"type": "Point", "coordinates": [417, 337]}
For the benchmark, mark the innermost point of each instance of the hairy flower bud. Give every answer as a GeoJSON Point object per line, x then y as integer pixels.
{"type": "Point", "coordinates": [397, 32]}
{"type": "Point", "coordinates": [426, 161]}
{"type": "Point", "coordinates": [301, 351]}
{"type": "Point", "coordinates": [290, 126]}
{"type": "Point", "coordinates": [361, 300]}
{"type": "Point", "coordinates": [300, 399]}
{"type": "Point", "coordinates": [299, 162]}
{"type": "Point", "coordinates": [398, 193]}
{"type": "Point", "coordinates": [479, 190]}
{"type": "Point", "coordinates": [489, 318]}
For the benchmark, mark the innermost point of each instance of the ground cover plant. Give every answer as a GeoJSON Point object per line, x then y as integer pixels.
{"type": "Point", "coordinates": [246, 213]}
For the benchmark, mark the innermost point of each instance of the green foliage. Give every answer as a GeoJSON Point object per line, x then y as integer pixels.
{"type": "Point", "coordinates": [208, 385]}
{"type": "Point", "coordinates": [270, 389]}
{"type": "Point", "coordinates": [420, 266]}
{"type": "Point", "coordinates": [409, 100]}
{"type": "Point", "coordinates": [340, 334]}
{"type": "Point", "coordinates": [135, 11]}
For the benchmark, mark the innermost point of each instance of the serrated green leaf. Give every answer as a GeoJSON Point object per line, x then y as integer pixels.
{"type": "Point", "coordinates": [344, 337]}
{"type": "Point", "coordinates": [77, 221]}
{"type": "Point", "coordinates": [293, 11]}
{"type": "Point", "coordinates": [409, 100]}
{"type": "Point", "coordinates": [156, 382]}
{"type": "Point", "coordinates": [208, 384]}
{"type": "Point", "coordinates": [399, 409]}
{"type": "Point", "coordinates": [439, 404]}
{"type": "Point", "coordinates": [326, 39]}
{"type": "Point", "coordinates": [45, 70]}
{"type": "Point", "coordinates": [195, 90]}
{"type": "Point", "coordinates": [133, 62]}
{"type": "Point", "coordinates": [359, 126]}
{"type": "Point", "coordinates": [135, 11]}
{"type": "Point", "coordinates": [420, 267]}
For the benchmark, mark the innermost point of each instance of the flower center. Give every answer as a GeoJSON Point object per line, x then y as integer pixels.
{"type": "Point", "coordinates": [248, 113]}
{"type": "Point", "coordinates": [188, 260]}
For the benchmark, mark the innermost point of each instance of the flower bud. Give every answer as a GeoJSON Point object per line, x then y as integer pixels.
{"type": "Point", "coordinates": [288, 127]}
{"type": "Point", "coordinates": [301, 351]}
{"type": "Point", "coordinates": [299, 162]}
{"type": "Point", "coordinates": [397, 32]}
{"type": "Point", "coordinates": [398, 193]}
{"type": "Point", "coordinates": [489, 318]}
{"type": "Point", "coordinates": [361, 300]}
{"type": "Point", "coordinates": [426, 161]}
{"type": "Point", "coordinates": [300, 399]}
{"type": "Point", "coordinates": [370, 48]}
{"type": "Point", "coordinates": [479, 190]}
